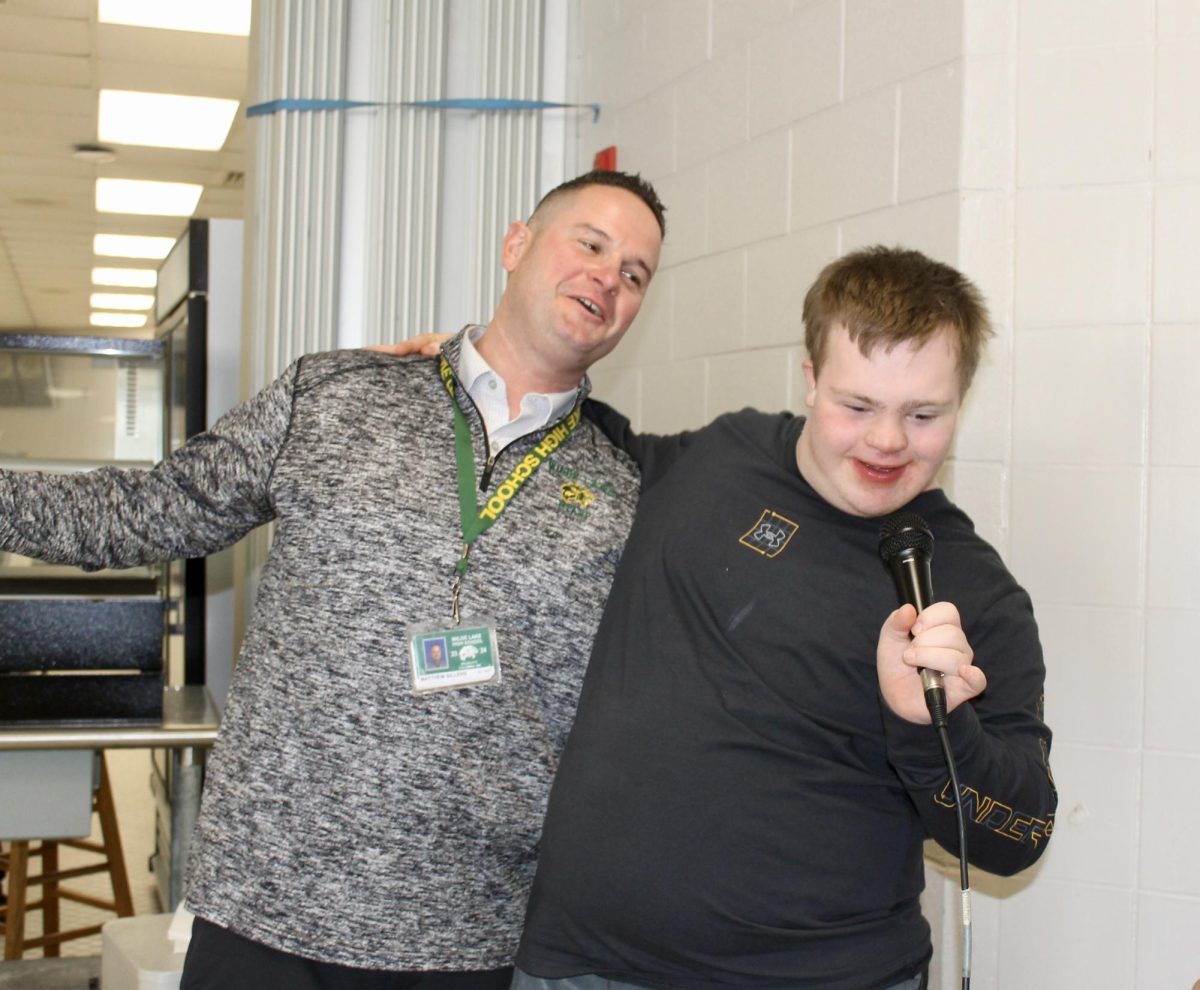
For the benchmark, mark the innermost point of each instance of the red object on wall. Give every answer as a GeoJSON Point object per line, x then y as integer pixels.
{"type": "Point", "coordinates": [606, 159]}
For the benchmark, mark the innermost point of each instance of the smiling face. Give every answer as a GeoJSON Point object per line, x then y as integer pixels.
{"type": "Point", "coordinates": [879, 427]}
{"type": "Point", "coordinates": [578, 272]}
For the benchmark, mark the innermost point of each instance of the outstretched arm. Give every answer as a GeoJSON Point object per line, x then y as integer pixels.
{"type": "Point", "coordinates": [204, 497]}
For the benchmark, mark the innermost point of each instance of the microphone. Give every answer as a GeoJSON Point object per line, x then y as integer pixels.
{"type": "Point", "coordinates": [906, 547]}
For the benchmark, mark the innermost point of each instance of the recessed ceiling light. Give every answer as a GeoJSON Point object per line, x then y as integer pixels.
{"type": "Point", "coordinates": [130, 278]}
{"type": "Point", "coordinates": [212, 16]}
{"type": "Point", "coordinates": [120, 300]}
{"type": "Point", "coordinates": [162, 199]}
{"type": "Point", "coordinates": [132, 246]}
{"type": "Point", "coordinates": [117, 319]}
{"type": "Point", "coordinates": [97, 154]}
{"type": "Point", "coordinates": [163, 120]}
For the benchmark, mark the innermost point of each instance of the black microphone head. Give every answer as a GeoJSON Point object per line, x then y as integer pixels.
{"type": "Point", "coordinates": [905, 531]}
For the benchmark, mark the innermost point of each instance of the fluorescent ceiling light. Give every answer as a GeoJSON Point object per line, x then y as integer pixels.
{"type": "Point", "coordinates": [120, 300]}
{"type": "Point", "coordinates": [117, 319]}
{"type": "Point", "coordinates": [163, 120]}
{"type": "Point", "coordinates": [132, 246]}
{"type": "Point", "coordinates": [130, 278]}
{"type": "Point", "coordinates": [211, 16]}
{"type": "Point", "coordinates": [142, 196]}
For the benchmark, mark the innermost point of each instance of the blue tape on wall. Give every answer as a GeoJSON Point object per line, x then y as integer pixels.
{"type": "Point", "coordinates": [274, 106]}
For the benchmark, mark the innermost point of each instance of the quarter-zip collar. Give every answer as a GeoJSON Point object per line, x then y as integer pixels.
{"type": "Point", "coordinates": [466, 363]}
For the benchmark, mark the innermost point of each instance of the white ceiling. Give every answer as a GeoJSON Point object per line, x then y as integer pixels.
{"type": "Point", "coordinates": [54, 60]}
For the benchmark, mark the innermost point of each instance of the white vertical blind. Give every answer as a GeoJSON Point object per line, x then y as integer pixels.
{"type": "Point", "coordinates": [509, 151]}
{"type": "Point", "coordinates": [373, 224]}
{"type": "Point", "coordinates": [354, 237]}
{"type": "Point", "coordinates": [294, 205]}
{"type": "Point", "coordinates": [406, 174]}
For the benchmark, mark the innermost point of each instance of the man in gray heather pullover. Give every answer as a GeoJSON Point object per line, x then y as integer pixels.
{"type": "Point", "coordinates": [447, 531]}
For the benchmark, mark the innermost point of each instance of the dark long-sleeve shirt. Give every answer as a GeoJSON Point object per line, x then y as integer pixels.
{"type": "Point", "coordinates": [737, 806]}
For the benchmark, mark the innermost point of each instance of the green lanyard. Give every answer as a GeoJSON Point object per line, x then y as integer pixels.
{"type": "Point", "coordinates": [476, 520]}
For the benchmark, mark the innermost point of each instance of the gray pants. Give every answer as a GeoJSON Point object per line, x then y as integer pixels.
{"type": "Point", "coordinates": [523, 981]}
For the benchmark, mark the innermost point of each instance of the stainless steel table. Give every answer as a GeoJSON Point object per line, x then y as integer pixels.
{"type": "Point", "coordinates": [188, 728]}
{"type": "Point", "coordinates": [189, 722]}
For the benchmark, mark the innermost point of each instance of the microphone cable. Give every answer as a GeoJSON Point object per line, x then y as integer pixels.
{"type": "Point", "coordinates": [906, 547]}
{"type": "Point", "coordinates": [964, 879]}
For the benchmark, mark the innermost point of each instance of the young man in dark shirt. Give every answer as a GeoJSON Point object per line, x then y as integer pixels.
{"type": "Point", "coordinates": [751, 775]}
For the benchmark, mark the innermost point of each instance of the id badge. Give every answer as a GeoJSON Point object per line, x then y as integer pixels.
{"type": "Point", "coordinates": [446, 656]}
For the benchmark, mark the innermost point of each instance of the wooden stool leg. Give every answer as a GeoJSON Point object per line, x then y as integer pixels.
{"type": "Point", "coordinates": [113, 852]}
{"type": "Point", "coordinates": [50, 916]}
{"type": "Point", "coordinates": [14, 918]}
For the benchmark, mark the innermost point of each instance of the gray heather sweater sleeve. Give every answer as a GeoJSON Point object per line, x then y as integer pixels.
{"type": "Point", "coordinates": [204, 497]}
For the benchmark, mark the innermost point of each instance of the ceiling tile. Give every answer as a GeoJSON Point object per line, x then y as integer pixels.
{"type": "Point", "coordinates": [46, 69]}
{"type": "Point", "coordinates": [53, 61]}
{"type": "Point", "coordinates": [53, 35]}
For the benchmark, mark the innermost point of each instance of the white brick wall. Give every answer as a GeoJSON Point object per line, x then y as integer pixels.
{"type": "Point", "coordinates": [1050, 149]}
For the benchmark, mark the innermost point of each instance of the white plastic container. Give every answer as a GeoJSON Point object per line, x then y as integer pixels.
{"type": "Point", "coordinates": [136, 954]}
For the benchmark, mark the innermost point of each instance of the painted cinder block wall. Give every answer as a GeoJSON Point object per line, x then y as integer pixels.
{"type": "Point", "coordinates": [1051, 150]}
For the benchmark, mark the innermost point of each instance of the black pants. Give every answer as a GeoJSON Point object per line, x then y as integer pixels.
{"type": "Point", "coordinates": [217, 959]}
{"type": "Point", "coordinates": [524, 981]}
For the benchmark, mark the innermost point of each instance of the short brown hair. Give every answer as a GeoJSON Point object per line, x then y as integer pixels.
{"type": "Point", "coordinates": [885, 296]}
{"type": "Point", "coordinates": [632, 183]}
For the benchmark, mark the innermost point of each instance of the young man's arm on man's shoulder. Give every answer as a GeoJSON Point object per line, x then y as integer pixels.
{"type": "Point", "coordinates": [654, 453]}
